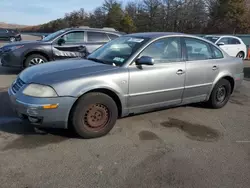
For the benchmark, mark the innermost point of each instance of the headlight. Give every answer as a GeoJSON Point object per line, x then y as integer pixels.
{"type": "Point", "coordinates": [37, 90]}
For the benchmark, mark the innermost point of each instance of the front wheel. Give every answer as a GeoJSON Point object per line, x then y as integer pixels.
{"type": "Point", "coordinates": [220, 94]}
{"type": "Point", "coordinates": [94, 115]}
{"type": "Point", "coordinates": [34, 59]}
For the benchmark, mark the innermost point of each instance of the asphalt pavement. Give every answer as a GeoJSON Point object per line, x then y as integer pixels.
{"type": "Point", "coordinates": [185, 147]}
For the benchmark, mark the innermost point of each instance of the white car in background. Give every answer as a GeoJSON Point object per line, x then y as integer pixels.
{"type": "Point", "coordinates": [232, 45]}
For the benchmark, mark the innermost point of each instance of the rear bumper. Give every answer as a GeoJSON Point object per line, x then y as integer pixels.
{"type": "Point", "coordinates": [31, 109]}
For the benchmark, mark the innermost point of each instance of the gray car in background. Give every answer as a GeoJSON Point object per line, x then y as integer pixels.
{"type": "Point", "coordinates": [132, 74]}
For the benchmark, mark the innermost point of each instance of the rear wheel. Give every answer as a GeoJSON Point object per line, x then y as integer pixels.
{"type": "Point", "coordinates": [94, 115]}
{"type": "Point", "coordinates": [34, 59]}
{"type": "Point", "coordinates": [220, 94]}
{"type": "Point", "coordinates": [240, 55]}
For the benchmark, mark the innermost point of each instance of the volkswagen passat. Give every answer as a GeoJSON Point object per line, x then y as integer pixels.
{"type": "Point", "coordinates": [133, 74]}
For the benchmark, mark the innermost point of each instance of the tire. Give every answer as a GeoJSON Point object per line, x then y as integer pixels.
{"type": "Point", "coordinates": [216, 100]}
{"type": "Point", "coordinates": [94, 115]}
{"type": "Point", "coordinates": [33, 58]}
{"type": "Point", "coordinates": [12, 39]}
{"type": "Point", "coordinates": [241, 55]}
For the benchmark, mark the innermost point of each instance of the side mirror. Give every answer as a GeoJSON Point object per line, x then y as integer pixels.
{"type": "Point", "coordinates": [61, 41]}
{"type": "Point", "coordinates": [145, 60]}
{"type": "Point", "coordinates": [220, 43]}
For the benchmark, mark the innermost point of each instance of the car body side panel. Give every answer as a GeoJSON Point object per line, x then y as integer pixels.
{"type": "Point", "coordinates": [199, 80]}
{"type": "Point", "coordinates": [116, 81]}
{"type": "Point", "coordinates": [229, 67]}
{"type": "Point", "coordinates": [155, 86]}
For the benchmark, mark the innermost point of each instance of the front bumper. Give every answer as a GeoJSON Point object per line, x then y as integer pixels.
{"type": "Point", "coordinates": [31, 109]}
{"type": "Point", "coordinates": [10, 59]}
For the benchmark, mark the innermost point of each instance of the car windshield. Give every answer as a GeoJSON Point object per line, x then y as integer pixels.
{"type": "Point", "coordinates": [212, 38]}
{"type": "Point", "coordinates": [118, 51]}
{"type": "Point", "coordinates": [53, 35]}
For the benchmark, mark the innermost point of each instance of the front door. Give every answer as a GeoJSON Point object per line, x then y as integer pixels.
{"type": "Point", "coordinates": [161, 84]}
{"type": "Point", "coordinates": [73, 46]}
{"type": "Point", "coordinates": [201, 69]}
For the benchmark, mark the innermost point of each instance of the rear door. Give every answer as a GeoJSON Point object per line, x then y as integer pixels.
{"type": "Point", "coordinates": [95, 40]}
{"type": "Point", "coordinates": [201, 69]}
{"type": "Point", "coordinates": [73, 47]}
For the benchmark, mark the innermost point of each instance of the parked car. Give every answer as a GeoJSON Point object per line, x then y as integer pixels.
{"type": "Point", "coordinates": [234, 46]}
{"type": "Point", "coordinates": [132, 74]}
{"type": "Point", "coordinates": [11, 35]}
{"type": "Point", "coordinates": [66, 43]}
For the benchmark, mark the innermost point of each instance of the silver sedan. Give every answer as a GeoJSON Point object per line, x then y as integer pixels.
{"type": "Point", "coordinates": [133, 74]}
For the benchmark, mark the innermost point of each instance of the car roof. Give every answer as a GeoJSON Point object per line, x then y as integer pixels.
{"type": "Point", "coordinates": [95, 29]}
{"type": "Point", "coordinates": [154, 34]}
{"type": "Point", "coordinates": [222, 36]}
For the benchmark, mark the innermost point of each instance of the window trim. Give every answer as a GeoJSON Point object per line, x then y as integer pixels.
{"type": "Point", "coordinates": [164, 38]}
{"type": "Point", "coordinates": [87, 38]}
{"type": "Point", "coordinates": [68, 32]}
{"type": "Point", "coordinates": [202, 41]}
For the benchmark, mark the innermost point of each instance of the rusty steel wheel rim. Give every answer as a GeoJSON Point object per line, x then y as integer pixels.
{"type": "Point", "coordinates": [96, 117]}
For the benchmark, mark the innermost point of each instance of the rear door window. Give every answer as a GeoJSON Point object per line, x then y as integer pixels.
{"type": "Point", "coordinates": [112, 36]}
{"type": "Point", "coordinates": [217, 53]}
{"type": "Point", "coordinates": [197, 49]}
{"type": "Point", "coordinates": [97, 37]}
{"type": "Point", "coordinates": [234, 41]}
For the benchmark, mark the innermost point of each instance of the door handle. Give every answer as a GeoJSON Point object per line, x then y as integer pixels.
{"type": "Point", "coordinates": [180, 72]}
{"type": "Point", "coordinates": [214, 67]}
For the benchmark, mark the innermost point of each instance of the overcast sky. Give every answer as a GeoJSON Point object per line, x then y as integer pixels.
{"type": "Point", "coordinates": [33, 12]}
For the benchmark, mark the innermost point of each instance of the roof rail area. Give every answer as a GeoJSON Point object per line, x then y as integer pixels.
{"type": "Point", "coordinates": [104, 28]}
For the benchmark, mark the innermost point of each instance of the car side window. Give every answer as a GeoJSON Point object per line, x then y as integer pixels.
{"type": "Point", "coordinates": [74, 37]}
{"type": "Point", "coordinates": [164, 50]}
{"type": "Point", "coordinates": [2, 31]}
{"type": "Point", "coordinates": [197, 49]}
{"type": "Point", "coordinates": [217, 53]}
{"type": "Point", "coordinates": [97, 37]}
{"type": "Point", "coordinates": [225, 40]}
{"type": "Point", "coordinates": [112, 36]}
{"type": "Point", "coordinates": [234, 41]}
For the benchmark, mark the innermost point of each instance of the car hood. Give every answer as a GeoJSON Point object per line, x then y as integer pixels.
{"type": "Point", "coordinates": [59, 71]}
{"type": "Point", "coordinates": [23, 43]}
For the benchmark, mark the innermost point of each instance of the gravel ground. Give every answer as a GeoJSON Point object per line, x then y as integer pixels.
{"type": "Point", "coordinates": [189, 147]}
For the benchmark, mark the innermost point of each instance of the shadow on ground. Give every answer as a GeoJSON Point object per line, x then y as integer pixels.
{"type": "Point", "coordinates": [30, 138]}
{"type": "Point", "coordinates": [9, 71]}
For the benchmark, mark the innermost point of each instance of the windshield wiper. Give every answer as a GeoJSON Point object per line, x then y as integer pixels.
{"type": "Point", "coordinates": [97, 60]}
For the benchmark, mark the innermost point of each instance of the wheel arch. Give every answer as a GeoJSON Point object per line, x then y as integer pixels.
{"type": "Point", "coordinates": [226, 77]}
{"type": "Point", "coordinates": [106, 91]}
{"type": "Point", "coordinates": [35, 52]}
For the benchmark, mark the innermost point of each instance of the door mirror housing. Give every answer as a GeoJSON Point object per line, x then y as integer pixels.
{"type": "Point", "coordinates": [220, 43]}
{"type": "Point", "coordinates": [61, 41]}
{"type": "Point", "coordinates": [145, 60]}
